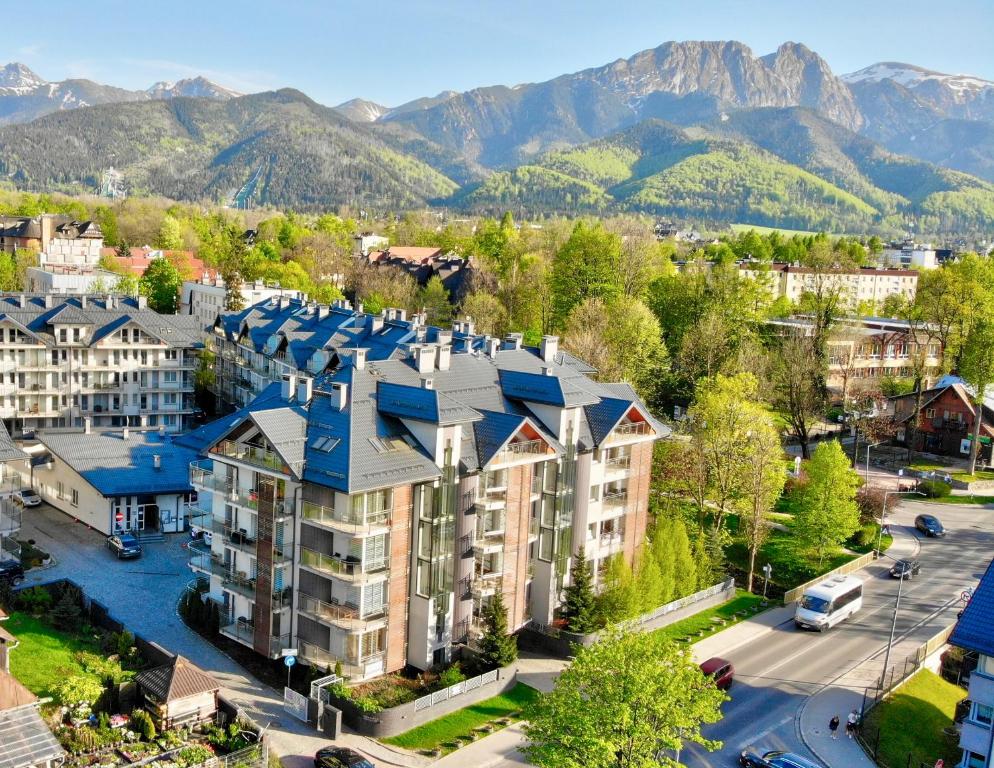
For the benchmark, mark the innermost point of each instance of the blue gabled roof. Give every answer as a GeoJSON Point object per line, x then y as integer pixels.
{"type": "Point", "coordinates": [605, 415]}
{"type": "Point", "coordinates": [975, 628]}
{"type": "Point", "coordinates": [407, 402]}
{"type": "Point", "coordinates": [493, 431]}
{"type": "Point", "coordinates": [538, 388]}
{"type": "Point", "coordinates": [326, 422]}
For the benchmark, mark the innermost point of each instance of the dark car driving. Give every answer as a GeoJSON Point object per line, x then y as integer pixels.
{"type": "Point", "coordinates": [12, 572]}
{"type": "Point", "coordinates": [929, 525]}
{"type": "Point", "coordinates": [124, 545]}
{"type": "Point", "coordinates": [753, 759]}
{"type": "Point", "coordinates": [719, 670]}
{"type": "Point", "coordinates": [340, 757]}
{"type": "Point", "coordinates": [905, 569]}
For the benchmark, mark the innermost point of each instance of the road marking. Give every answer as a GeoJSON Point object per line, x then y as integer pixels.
{"type": "Point", "coordinates": [763, 734]}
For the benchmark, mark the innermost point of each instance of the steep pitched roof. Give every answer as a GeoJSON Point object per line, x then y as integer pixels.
{"type": "Point", "coordinates": [539, 388]}
{"type": "Point", "coordinates": [9, 451]}
{"type": "Point", "coordinates": [421, 404]}
{"type": "Point", "coordinates": [179, 679]}
{"type": "Point", "coordinates": [25, 739]}
{"type": "Point", "coordinates": [975, 628]}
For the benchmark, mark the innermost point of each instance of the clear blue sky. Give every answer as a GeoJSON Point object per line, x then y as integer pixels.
{"type": "Point", "coordinates": [392, 51]}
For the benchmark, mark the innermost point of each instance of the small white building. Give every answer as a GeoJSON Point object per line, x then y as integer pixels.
{"type": "Point", "coordinates": [116, 481]}
{"type": "Point", "coordinates": [365, 242]}
{"type": "Point", "coordinates": [205, 298]}
{"type": "Point", "coordinates": [71, 279]}
{"type": "Point", "coordinates": [910, 256]}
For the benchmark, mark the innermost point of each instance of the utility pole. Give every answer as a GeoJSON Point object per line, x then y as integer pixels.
{"type": "Point", "coordinates": [893, 628]}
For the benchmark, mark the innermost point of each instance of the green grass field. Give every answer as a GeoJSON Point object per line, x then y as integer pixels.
{"type": "Point", "coordinates": [911, 722]}
{"type": "Point", "coordinates": [43, 655]}
{"type": "Point", "coordinates": [737, 228]}
{"type": "Point", "coordinates": [926, 466]}
{"type": "Point", "coordinates": [443, 732]}
{"type": "Point", "coordinates": [689, 627]}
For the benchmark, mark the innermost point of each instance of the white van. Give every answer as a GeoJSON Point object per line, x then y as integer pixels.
{"type": "Point", "coordinates": [825, 605]}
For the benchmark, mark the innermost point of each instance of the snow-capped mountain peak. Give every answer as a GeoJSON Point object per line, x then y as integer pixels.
{"type": "Point", "coordinates": [195, 87]}
{"type": "Point", "coordinates": [911, 77]}
{"type": "Point", "coordinates": [16, 75]}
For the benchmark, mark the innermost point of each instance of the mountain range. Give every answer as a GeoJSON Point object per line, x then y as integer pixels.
{"type": "Point", "coordinates": [700, 130]}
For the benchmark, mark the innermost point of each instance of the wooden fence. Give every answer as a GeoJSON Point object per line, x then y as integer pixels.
{"type": "Point", "coordinates": [793, 595]}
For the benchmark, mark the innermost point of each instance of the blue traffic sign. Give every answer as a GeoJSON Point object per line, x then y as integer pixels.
{"type": "Point", "coordinates": [290, 660]}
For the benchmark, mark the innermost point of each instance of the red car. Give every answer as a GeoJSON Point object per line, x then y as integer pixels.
{"type": "Point", "coordinates": [719, 670]}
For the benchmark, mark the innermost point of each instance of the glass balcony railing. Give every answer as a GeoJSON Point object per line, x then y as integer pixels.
{"type": "Point", "coordinates": [628, 430]}
{"type": "Point", "coordinates": [521, 450]}
{"type": "Point", "coordinates": [250, 454]}
{"type": "Point", "coordinates": [236, 535]}
{"type": "Point", "coordinates": [347, 522]}
{"type": "Point", "coordinates": [341, 615]}
{"type": "Point", "coordinates": [349, 570]}
{"type": "Point", "coordinates": [615, 500]}
{"type": "Point", "coordinates": [203, 477]}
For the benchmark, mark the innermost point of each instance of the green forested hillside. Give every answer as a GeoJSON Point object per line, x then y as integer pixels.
{"type": "Point", "coordinates": [305, 155]}
{"type": "Point", "coordinates": [782, 167]}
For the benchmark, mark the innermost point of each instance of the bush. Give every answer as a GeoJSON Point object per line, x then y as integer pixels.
{"type": "Point", "coordinates": [933, 489]}
{"type": "Point", "coordinates": [871, 503]}
{"type": "Point", "coordinates": [194, 755]}
{"type": "Point", "coordinates": [367, 705]}
{"type": "Point", "coordinates": [77, 689]}
{"type": "Point", "coordinates": [34, 600]}
{"type": "Point", "coordinates": [125, 642]}
{"type": "Point", "coordinates": [66, 613]}
{"type": "Point", "coordinates": [141, 723]}
{"type": "Point", "coordinates": [451, 676]}
{"type": "Point", "coordinates": [865, 537]}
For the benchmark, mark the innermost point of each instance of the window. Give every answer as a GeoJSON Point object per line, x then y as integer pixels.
{"type": "Point", "coordinates": [170, 398]}
{"type": "Point", "coordinates": [76, 334]}
{"type": "Point", "coordinates": [63, 335]}
{"type": "Point", "coordinates": [61, 491]}
{"type": "Point", "coordinates": [982, 713]}
{"type": "Point", "coordinates": [930, 413]}
{"type": "Point", "coordinates": [170, 377]}
{"type": "Point", "coordinates": [986, 665]}
{"type": "Point", "coordinates": [75, 497]}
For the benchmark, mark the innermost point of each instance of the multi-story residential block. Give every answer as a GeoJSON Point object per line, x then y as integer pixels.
{"type": "Point", "coordinates": [109, 358]}
{"type": "Point", "coordinates": [71, 279]}
{"type": "Point", "coordinates": [864, 352]}
{"type": "Point", "coordinates": [205, 298]}
{"type": "Point", "coordinates": [973, 633]}
{"type": "Point", "coordinates": [858, 286]}
{"type": "Point", "coordinates": [262, 343]}
{"type": "Point", "coordinates": [58, 238]}
{"type": "Point", "coordinates": [368, 515]}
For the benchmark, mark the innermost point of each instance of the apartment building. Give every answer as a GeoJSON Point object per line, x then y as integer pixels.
{"type": "Point", "coordinates": [58, 238]}
{"type": "Point", "coordinates": [108, 358]}
{"type": "Point", "coordinates": [368, 515]}
{"type": "Point", "coordinates": [858, 286]}
{"type": "Point", "coordinates": [263, 343]}
{"type": "Point", "coordinates": [205, 298]}
{"type": "Point", "coordinates": [863, 352]}
{"type": "Point", "coordinates": [973, 633]}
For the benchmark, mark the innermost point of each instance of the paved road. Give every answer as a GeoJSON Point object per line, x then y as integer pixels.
{"type": "Point", "coordinates": [778, 672]}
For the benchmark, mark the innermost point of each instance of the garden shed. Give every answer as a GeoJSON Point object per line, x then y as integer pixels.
{"type": "Point", "coordinates": [25, 740]}
{"type": "Point", "coordinates": [178, 693]}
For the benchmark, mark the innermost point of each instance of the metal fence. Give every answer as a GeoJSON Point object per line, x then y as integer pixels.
{"type": "Point", "coordinates": [455, 690]}
{"type": "Point", "coordinates": [868, 734]}
{"type": "Point", "coordinates": [793, 595]}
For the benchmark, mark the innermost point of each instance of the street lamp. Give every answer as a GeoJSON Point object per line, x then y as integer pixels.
{"type": "Point", "coordinates": [883, 514]}
{"type": "Point", "coordinates": [893, 628]}
{"type": "Point", "coordinates": [866, 475]}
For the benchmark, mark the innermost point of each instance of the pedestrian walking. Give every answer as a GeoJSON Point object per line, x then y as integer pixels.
{"type": "Point", "coordinates": [851, 722]}
{"type": "Point", "coordinates": [833, 726]}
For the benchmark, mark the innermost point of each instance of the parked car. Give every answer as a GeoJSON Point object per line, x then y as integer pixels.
{"type": "Point", "coordinates": [905, 569]}
{"type": "Point", "coordinates": [720, 670]}
{"type": "Point", "coordinates": [929, 525]}
{"type": "Point", "coordinates": [340, 757]}
{"type": "Point", "coordinates": [124, 545]}
{"type": "Point", "coordinates": [753, 759]}
{"type": "Point", "coordinates": [27, 498]}
{"type": "Point", "coordinates": [12, 572]}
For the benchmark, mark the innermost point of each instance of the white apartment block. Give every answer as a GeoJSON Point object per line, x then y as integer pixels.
{"type": "Point", "coordinates": [111, 359]}
{"type": "Point", "coordinates": [857, 286]}
{"type": "Point", "coordinates": [205, 298]}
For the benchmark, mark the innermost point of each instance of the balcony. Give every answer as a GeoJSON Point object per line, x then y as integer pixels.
{"type": "Point", "coordinates": [348, 617]}
{"type": "Point", "coordinates": [629, 430]}
{"type": "Point", "coordinates": [612, 541]}
{"type": "Point", "coordinates": [242, 630]}
{"type": "Point", "coordinates": [346, 522]}
{"type": "Point", "coordinates": [347, 570]}
{"type": "Point", "coordinates": [368, 666]}
{"type": "Point", "coordinates": [202, 476]}
{"type": "Point", "coordinates": [234, 581]}
{"type": "Point", "coordinates": [617, 465]}
{"type": "Point", "coordinates": [250, 454]}
{"type": "Point", "coordinates": [485, 584]}
{"type": "Point", "coordinates": [615, 501]}
{"type": "Point", "coordinates": [238, 537]}
{"type": "Point", "coordinates": [521, 451]}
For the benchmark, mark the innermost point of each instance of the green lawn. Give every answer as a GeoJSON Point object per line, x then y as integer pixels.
{"type": "Point", "coordinates": [443, 732]}
{"type": "Point", "coordinates": [911, 720]}
{"type": "Point", "coordinates": [690, 626]}
{"type": "Point", "coordinates": [927, 466]}
{"type": "Point", "coordinates": [792, 564]}
{"type": "Point", "coordinates": [43, 654]}
{"type": "Point", "coordinates": [962, 500]}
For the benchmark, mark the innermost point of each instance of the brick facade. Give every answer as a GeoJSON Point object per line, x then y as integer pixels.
{"type": "Point", "coordinates": [400, 574]}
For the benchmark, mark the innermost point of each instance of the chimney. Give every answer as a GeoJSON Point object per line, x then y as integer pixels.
{"type": "Point", "coordinates": [424, 357]}
{"type": "Point", "coordinates": [550, 346]}
{"type": "Point", "coordinates": [49, 301]}
{"type": "Point", "coordinates": [513, 340]}
{"type": "Point", "coordinates": [82, 301]}
{"type": "Point", "coordinates": [444, 337]}
{"type": "Point", "coordinates": [444, 357]}
{"type": "Point", "coordinates": [305, 388]}
{"type": "Point", "coordinates": [162, 430]}
{"type": "Point", "coordinates": [323, 311]}
{"type": "Point", "coordinates": [390, 313]}
{"type": "Point", "coordinates": [109, 301]}
{"type": "Point", "coordinates": [547, 371]}
{"type": "Point", "coordinates": [340, 395]}
{"type": "Point", "coordinates": [156, 461]}
{"type": "Point", "coordinates": [491, 345]}
{"type": "Point", "coordinates": [23, 301]}
{"type": "Point", "coordinates": [427, 382]}
{"type": "Point", "coordinates": [142, 302]}
{"type": "Point", "coordinates": [289, 386]}
{"type": "Point", "coordinates": [359, 358]}
{"type": "Point", "coordinates": [125, 433]}
{"type": "Point", "coordinates": [86, 425]}
{"type": "Point", "coordinates": [358, 307]}
{"type": "Point", "coordinates": [375, 323]}
{"type": "Point", "coordinates": [468, 327]}
{"type": "Point", "coordinates": [400, 314]}
{"type": "Point", "coordinates": [284, 303]}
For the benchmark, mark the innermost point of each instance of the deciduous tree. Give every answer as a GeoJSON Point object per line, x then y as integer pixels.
{"type": "Point", "coordinates": [797, 375]}
{"type": "Point", "coordinates": [828, 513]}
{"type": "Point", "coordinates": [585, 267]}
{"type": "Point", "coordinates": [627, 701]}
{"type": "Point", "coordinates": [977, 368]}
{"type": "Point", "coordinates": [765, 475]}
{"type": "Point", "coordinates": [162, 283]}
